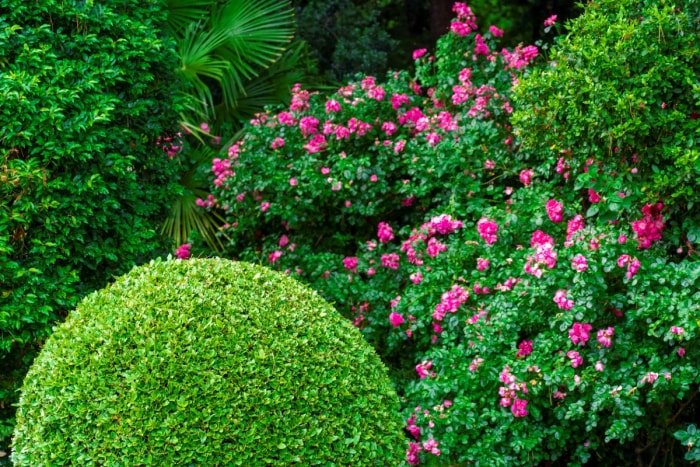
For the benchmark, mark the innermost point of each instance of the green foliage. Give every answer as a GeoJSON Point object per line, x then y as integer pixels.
{"type": "Point", "coordinates": [621, 91]}
{"type": "Point", "coordinates": [86, 88]}
{"type": "Point", "coordinates": [347, 37]}
{"type": "Point", "coordinates": [207, 362]}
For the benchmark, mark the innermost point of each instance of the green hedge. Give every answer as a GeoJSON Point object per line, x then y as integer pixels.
{"type": "Point", "coordinates": [207, 362]}
{"type": "Point", "coordinates": [86, 89]}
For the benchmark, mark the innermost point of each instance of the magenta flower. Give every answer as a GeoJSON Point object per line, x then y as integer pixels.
{"type": "Point", "coordinates": [385, 232]}
{"type": "Point", "coordinates": [555, 210]}
{"type": "Point", "coordinates": [277, 143]}
{"type": "Point", "coordinates": [487, 230]}
{"type": "Point", "coordinates": [435, 247]}
{"type": "Point", "coordinates": [284, 240]}
{"type": "Point", "coordinates": [519, 408]}
{"type": "Point", "coordinates": [293, 181]}
{"type": "Point", "coordinates": [264, 206]}
{"type": "Point", "coordinates": [444, 224]}
{"type": "Point", "coordinates": [274, 256]}
{"type": "Point", "coordinates": [579, 263]}
{"type": "Point", "coordinates": [593, 197]}
{"type": "Point", "coordinates": [412, 453]}
{"type": "Point", "coordinates": [482, 264]}
{"type": "Point", "coordinates": [183, 251]}
{"type": "Point", "coordinates": [550, 21]}
{"type": "Point", "coordinates": [416, 277]}
{"type": "Point", "coordinates": [432, 446]}
{"type": "Point", "coordinates": [350, 263]}
{"type": "Point", "coordinates": [526, 176]}
{"type": "Point", "coordinates": [495, 32]}
{"type": "Point", "coordinates": [423, 369]}
{"type": "Point", "coordinates": [575, 357]}
{"type": "Point", "coordinates": [562, 301]}
{"type": "Point", "coordinates": [418, 53]}
{"type": "Point", "coordinates": [332, 106]}
{"type": "Point", "coordinates": [395, 319]}
{"type": "Point", "coordinates": [524, 349]}
{"type": "Point", "coordinates": [605, 336]}
{"type": "Point", "coordinates": [390, 260]}
{"type": "Point", "coordinates": [580, 333]}
{"type": "Point", "coordinates": [677, 330]}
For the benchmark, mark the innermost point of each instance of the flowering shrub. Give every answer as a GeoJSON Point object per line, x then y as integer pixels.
{"type": "Point", "coordinates": [521, 326]}
{"type": "Point", "coordinates": [620, 110]}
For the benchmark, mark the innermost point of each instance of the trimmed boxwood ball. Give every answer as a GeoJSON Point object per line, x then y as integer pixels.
{"type": "Point", "coordinates": [207, 362]}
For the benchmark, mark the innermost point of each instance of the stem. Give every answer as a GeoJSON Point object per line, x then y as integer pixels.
{"type": "Point", "coordinates": [685, 404]}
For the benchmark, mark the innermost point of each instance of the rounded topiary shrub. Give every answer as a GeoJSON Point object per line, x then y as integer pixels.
{"type": "Point", "coordinates": [207, 362]}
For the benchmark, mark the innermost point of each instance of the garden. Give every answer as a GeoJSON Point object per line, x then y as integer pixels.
{"type": "Point", "coordinates": [488, 257]}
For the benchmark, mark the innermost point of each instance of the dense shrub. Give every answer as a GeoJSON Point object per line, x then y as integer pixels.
{"type": "Point", "coordinates": [86, 88]}
{"type": "Point", "coordinates": [529, 324]}
{"type": "Point", "coordinates": [207, 362]}
{"type": "Point", "coordinates": [621, 96]}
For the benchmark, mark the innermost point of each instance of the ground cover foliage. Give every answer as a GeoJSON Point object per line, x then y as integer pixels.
{"type": "Point", "coordinates": [86, 90]}
{"type": "Point", "coordinates": [517, 240]}
{"type": "Point", "coordinates": [207, 362]}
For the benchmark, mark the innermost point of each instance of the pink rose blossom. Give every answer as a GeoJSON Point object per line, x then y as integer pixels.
{"type": "Point", "coordinates": [580, 333]}
{"type": "Point", "coordinates": [519, 408]}
{"type": "Point", "coordinates": [575, 357]}
{"type": "Point", "coordinates": [524, 349]}
{"type": "Point", "coordinates": [550, 21]}
{"type": "Point", "coordinates": [495, 32]}
{"type": "Point", "coordinates": [418, 53]}
{"type": "Point", "coordinates": [274, 256]}
{"type": "Point", "coordinates": [183, 251]}
{"type": "Point", "coordinates": [605, 336]}
{"type": "Point", "coordinates": [395, 319]}
{"type": "Point", "coordinates": [350, 263]}
{"type": "Point", "coordinates": [482, 264]}
{"type": "Point", "coordinates": [599, 366]}
{"type": "Point", "coordinates": [390, 260]}
{"type": "Point", "coordinates": [487, 230]}
{"type": "Point", "coordinates": [555, 210]}
{"type": "Point", "coordinates": [416, 277]}
{"type": "Point", "coordinates": [385, 232]}
{"type": "Point", "coordinates": [526, 176]}
{"type": "Point", "coordinates": [264, 206]}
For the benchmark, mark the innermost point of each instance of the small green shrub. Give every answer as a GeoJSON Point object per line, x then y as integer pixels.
{"type": "Point", "coordinates": [207, 362]}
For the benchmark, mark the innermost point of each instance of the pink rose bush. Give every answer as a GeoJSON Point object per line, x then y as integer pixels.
{"type": "Point", "coordinates": [482, 279]}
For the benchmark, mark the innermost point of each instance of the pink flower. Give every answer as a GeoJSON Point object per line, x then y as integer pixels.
{"type": "Point", "coordinates": [444, 224]}
{"type": "Point", "coordinates": [489, 164]}
{"type": "Point", "coordinates": [423, 369]}
{"type": "Point", "coordinates": [284, 240]}
{"type": "Point", "coordinates": [416, 277]}
{"type": "Point", "coordinates": [650, 377]}
{"type": "Point", "coordinates": [277, 143]}
{"type": "Point", "coordinates": [412, 453]}
{"type": "Point", "coordinates": [575, 358]}
{"type": "Point", "coordinates": [264, 206]}
{"type": "Point", "coordinates": [390, 260]}
{"type": "Point", "coordinates": [350, 263]}
{"type": "Point", "coordinates": [555, 210]}
{"type": "Point", "coordinates": [681, 351]}
{"type": "Point", "coordinates": [550, 21]}
{"type": "Point", "coordinates": [332, 106]}
{"type": "Point", "coordinates": [579, 263]}
{"type": "Point", "coordinates": [487, 230]}
{"type": "Point", "coordinates": [431, 446]}
{"type": "Point", "coordinates": [418, 53]}
{"type": "Point", "coordinates": [482, 264]}
{"type": "Point", "coordinates": [605, 336]}
{"type": "Point", "coordinates": [395, 319]}
{"type": "Point", "coordinates": [325, 170]}
{"type": "Point", "coordinates": [562, 301]}
{"type": "Point", "coordinates": [435, 247]}
{"type": "Point", "coordinates": [385, 232]}
{"type": "Point", "coordinates": [524, 349]}
{"type": "Point", "coordinates": [526, 176]}
{"type": "Point", "coordinates": [183, 251]}
{"type": "Point", "coordinates": [274, 256]}
{"type": "Point", "coordinates": [371, 272]}
{"type": "Point", "coordinates": [495, 32]}
{"type": "Point", "coordinates": [519, 408]}
{"type": "Point", "coordinates": [579, 333]}
{"type": "Point", "coordinates": [649, 228]}
{"type": "Point", "coordinates": [292, 181]}
{"type": "Point", "coordinates": [204, 127]}
{"type": "Point", "coordinates": [373, 178]}
{"type": "Point", "coordinates": [593, 197]}
{"type": "Point", "coordinates": [599, 366]}
{"type": "Point", "coordinates": [677, 330]}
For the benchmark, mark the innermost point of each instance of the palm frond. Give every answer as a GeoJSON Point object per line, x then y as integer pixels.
{"type": "Point", "coordinates": [182, 13]}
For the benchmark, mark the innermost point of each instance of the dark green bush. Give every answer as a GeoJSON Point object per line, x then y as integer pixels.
{"type": "Point", "coordinates": [207, 362]}
{"type": "Point", "coordinates": [86, 88]}
{"type": "Point", "coordinates": [621, 96]}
